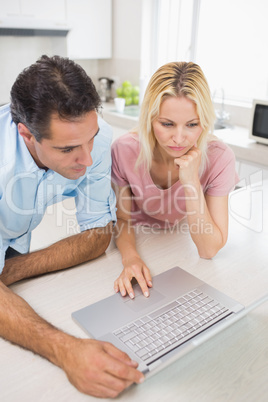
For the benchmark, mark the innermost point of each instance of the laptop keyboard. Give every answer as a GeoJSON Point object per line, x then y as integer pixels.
{"type": "Point", "coordinates": [161, 331]}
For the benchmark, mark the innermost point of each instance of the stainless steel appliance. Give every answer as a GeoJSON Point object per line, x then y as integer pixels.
{"type": "Point", "coordinates": [105, 88]}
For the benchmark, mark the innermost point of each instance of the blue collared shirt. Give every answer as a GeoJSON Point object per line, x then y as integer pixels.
{"type": "Point", "coordinates": [26, 190]}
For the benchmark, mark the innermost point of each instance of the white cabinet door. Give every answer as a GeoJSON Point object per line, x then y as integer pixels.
{"type": "Point", "coordinates": [50, 10]}
{"type": "Point", "coordinates": [33, 13]}
{"type": "Point", "coordinates": [9, 8]}
{"type": "Point", "coordinates": [251, 174]}
{"type": "Point", "coordinates": [90, 35]}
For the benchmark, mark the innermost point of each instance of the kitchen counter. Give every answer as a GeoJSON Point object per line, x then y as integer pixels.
{"type": "Point", "coordinates": [244, 148]}
{"type": "Point", "coordinates": [127, 120]}
{"type": "Point", "coordinates": [237, 138]}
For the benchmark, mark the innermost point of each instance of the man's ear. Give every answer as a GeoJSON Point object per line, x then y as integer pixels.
{"type": "Point", "coordinates": [25, 133]}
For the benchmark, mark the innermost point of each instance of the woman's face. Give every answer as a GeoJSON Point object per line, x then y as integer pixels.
{"type": "Point", "coordinates": [177, 126]}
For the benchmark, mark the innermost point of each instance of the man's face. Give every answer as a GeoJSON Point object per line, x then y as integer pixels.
{"type": "Point", "coordinates": [68, 150]}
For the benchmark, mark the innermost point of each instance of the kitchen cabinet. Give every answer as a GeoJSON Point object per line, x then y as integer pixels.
{"type": "Point", "coordinates": [90, 35]}
{"type": "Point", "coordinates": [89, 23]}
{"type": "Point", "coordinates": [9, 8]}
{"type": "Point", "coordinates": [251, 173]}
{"type": "Point", "coordinates": [32, 13]}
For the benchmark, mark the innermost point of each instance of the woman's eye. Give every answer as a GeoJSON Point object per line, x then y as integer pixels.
{"type": "Point", "coordinates": [192, 124]}
{"type": "Point", "coordinates": [166, 124]}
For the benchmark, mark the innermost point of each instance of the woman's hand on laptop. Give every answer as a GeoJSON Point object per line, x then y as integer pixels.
{"type": "Point", "coordinates": [133, 268]}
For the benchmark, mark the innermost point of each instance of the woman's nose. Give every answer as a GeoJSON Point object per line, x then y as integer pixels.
{"type": "Point", "coordinates": [178, 135]}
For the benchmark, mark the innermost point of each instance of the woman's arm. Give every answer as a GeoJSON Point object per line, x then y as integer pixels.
{"type": "Point", "coordinates": [207, 216]}
{"type": "Point", "coordinates": [207, 219]}
{"type": "Point", "coordinates": [134, 267]}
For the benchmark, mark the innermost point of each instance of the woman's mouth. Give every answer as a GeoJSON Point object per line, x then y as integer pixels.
{"type": "Point", "coordinates": [177, 148]}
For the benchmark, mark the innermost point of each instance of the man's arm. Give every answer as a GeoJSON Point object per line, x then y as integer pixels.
{"type": "Point", "coordinates": [93, 367]}
{"type": "Point", "coordinates": [65, 253]}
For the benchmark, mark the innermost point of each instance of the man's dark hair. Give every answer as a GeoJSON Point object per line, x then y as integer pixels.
{"type": "Point", "coordinates": [51, 85]}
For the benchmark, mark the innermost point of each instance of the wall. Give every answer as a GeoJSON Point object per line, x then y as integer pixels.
{"type": "Point", "coordinates": [16, 53]}
{"type": "Point", "coordinates": [125, 63]}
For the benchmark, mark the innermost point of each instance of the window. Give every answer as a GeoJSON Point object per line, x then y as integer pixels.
{"type": "Point", "coordinates": [173, 33]}
{"type": "Point", "coordinates": [232, 46]}
{"type": "Point", "coordinates": [227, 38]}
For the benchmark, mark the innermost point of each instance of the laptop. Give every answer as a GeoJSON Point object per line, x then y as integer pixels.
{"type": "Point", "coordinates": [181, 312]}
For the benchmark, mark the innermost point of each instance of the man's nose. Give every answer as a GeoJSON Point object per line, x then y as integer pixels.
{"type": "Point", "coordinates": [85, 157]}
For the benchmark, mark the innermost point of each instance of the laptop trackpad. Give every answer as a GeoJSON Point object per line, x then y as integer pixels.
{"type": "Point", "coordinates": [140, 301]}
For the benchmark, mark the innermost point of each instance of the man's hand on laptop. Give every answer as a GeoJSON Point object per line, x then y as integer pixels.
{"type": "Point", "coordinates": [99, 369]}
{"type": "Point", "coordinates": [134, 267]}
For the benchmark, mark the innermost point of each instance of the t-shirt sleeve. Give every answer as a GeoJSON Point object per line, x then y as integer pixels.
{"type": "Point", "coordinates": [223, 175]}
{"type": "Point", "coordinates": [118, 161]}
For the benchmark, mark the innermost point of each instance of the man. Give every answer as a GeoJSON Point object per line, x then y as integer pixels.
{"type": "Point", "coordinates": [53, 146]}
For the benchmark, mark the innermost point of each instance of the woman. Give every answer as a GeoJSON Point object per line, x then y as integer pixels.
{"type": "Point", "coordinates": [172, 167]}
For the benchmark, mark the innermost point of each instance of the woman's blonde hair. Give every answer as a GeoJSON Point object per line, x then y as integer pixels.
{"type": "Point", "coordinates": [175, 79]}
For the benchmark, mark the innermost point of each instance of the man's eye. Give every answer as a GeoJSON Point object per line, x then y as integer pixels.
{"type": "Point", "coordinates": [67, 150]}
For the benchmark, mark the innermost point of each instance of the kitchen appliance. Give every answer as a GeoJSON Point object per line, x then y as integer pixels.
{"type": "Point", "coordinates": [259, 121]}
{"type": "Point", "coordinates": [105, 88]}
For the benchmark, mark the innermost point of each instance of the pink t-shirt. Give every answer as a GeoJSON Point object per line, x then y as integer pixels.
{"type": "Point", "coordinates": [163, 208]}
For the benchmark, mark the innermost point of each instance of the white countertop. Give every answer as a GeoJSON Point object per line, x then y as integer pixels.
{"type": "Point", "coordinates": [237, 137]}
{"type": "Point", "coordinates": [128, 119]}
{"type": "Point", "coordinates": [244, 148]}
{"type": "Point", "coordinates": [231, 366]}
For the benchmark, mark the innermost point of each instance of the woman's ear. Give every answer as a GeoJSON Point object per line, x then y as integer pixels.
{"type": "Point", "coordinates": [25, 133]}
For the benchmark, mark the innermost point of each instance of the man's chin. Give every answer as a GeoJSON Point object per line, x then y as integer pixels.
{"type": "Point", "coordinates": [74, 174]}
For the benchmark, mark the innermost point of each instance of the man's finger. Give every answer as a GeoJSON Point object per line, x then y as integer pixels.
{"type": "Point", "coordinates": [120, 365]}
